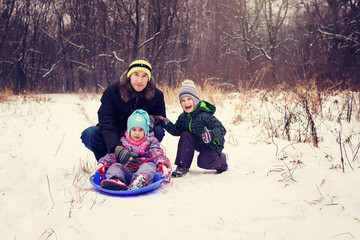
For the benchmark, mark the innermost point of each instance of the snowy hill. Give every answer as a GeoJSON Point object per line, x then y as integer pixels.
{"type": "Point", "coordinates": [274, 189]}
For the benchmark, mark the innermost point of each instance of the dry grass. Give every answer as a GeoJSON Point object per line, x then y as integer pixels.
{"type": "Point", "coordinates": [82, 173]}
{"type": "Point", "coordinates": [32, 97]}
{"type": "Point", "coordinates": [6, 95]}
{"type": "Point", "coordinates": [90, 96]}
{"type": "Point", "coordinates": [212, 95]}
{"type": "Point", "coordinates": [170, 94]}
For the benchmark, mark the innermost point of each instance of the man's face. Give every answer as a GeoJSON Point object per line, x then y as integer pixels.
{"type": "Point", "coordinates": [139, 80]}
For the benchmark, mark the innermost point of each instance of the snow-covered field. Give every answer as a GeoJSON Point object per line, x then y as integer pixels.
{"type": "Point", "coordinates": [274, 189]}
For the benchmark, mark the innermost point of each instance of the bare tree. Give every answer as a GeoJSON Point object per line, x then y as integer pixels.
{"type": "Point", "coordinates": [72, 45]}
{"type": "Point", "coordinates": [275, 13]}
{"type": "Point", "coordinates": [6, 14]}
{"type": "Point", "coordinates": [240, 32]}
{"type": "Point", "coordinates": [334, 33]}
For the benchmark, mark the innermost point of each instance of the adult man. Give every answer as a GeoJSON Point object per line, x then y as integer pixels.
{"type": "Point", "coordinates": [135, 90]}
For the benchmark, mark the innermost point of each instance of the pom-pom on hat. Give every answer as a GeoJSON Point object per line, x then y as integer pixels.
{"type": "Point", "coordinates": [139, 118]}
{"type": "Point", "coordinates": [140, 65]}
{"type": "Point", "coordinates": [188, 89]}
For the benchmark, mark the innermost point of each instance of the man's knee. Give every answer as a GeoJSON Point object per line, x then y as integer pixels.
{"type": "Point", "coordinates": [91, 137]}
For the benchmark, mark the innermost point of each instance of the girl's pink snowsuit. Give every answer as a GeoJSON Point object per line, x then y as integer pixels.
{"type": "Point", "coordinates": [151, 158]}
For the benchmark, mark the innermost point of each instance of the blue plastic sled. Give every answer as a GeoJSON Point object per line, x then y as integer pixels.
{"type": "Point", "coordinates": [158, 180]}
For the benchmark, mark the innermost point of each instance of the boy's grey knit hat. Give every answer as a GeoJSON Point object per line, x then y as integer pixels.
{"type": "Point", "coordinates": [188, 89]}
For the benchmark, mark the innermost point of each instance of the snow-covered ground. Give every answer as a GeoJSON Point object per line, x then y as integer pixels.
{"type": "Point", "coordinates": [274, 189]}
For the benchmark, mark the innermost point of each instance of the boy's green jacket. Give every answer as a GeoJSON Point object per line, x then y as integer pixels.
{"type": "Point", "coordinates": [195, 121]}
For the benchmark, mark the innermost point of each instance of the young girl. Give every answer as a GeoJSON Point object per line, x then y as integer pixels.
{"type": "Point", "coordinates": [199, 130]}
{"type": "Point", "coordinates": [147, 157]}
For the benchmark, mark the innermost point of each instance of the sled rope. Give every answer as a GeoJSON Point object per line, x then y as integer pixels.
{"type": "Point", "coordinates": [136, 166]}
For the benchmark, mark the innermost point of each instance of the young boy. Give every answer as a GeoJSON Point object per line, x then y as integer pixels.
{"type": "Point", "coordinates": [199, 130]}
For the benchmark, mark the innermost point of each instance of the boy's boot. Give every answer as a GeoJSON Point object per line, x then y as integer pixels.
{"type": "Point", "coordinates": [224, 167]}
{"type": "Point", "coordinates": [180, 171]}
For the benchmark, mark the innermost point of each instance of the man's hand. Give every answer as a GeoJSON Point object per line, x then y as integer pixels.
{"type": "Point", "coordinates": [154, 120]}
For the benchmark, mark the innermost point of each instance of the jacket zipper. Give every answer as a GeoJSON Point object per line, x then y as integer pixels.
{"type": "Point", "coordinates": [136, 102]}
{"type": "Point", "coordinates": [189, 116]}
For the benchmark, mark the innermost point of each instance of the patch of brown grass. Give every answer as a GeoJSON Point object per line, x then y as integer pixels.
{"type": "Point", "coordinates": [89, 96]}
{"type": "Point", "coordinates": [33, 97]}
{"type": "Point", "coordinates": [6, 95]}
{"type": "Point", "coordinates": [212, 95]}
{"type": "Point", "coordinates": [171, 95]}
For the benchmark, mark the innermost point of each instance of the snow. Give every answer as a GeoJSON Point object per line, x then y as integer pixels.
{"type": "Point", "coordinates": [274, 188]}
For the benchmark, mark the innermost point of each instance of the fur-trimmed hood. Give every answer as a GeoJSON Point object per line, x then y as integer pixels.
{"type": "Point", "coordinates": [127, 92]}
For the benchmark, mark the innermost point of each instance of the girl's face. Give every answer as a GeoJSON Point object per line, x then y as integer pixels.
{"type": "Point", "coordinates": [139, 80]}
{"type": "Point", "coordinates": [137, 133]}
{"type": "Point", "coordinates": [187, 104]}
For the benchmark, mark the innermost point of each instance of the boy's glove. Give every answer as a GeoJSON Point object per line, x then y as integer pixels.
{"type": "Point", "coordinates": [206, 136]}
{"type": "Point", "coordinates": [124, 156]}
{"type": "Point", "coordinates": [154, 120]}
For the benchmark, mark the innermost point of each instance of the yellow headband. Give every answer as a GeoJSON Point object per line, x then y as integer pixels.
{"type": "Point", "coordinates": [139, 65]}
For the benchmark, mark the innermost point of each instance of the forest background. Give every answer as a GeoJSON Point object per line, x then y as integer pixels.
{"type": "Point", "coordinates": [51, 46]}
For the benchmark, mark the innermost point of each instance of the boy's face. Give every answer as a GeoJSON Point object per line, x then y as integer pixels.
{"type": "Point", "coordinates": [139, 80]}
{"type": "Point", "coordinates": [187, 104]}
{"type": "Point", "coordinates": [137, 133]}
